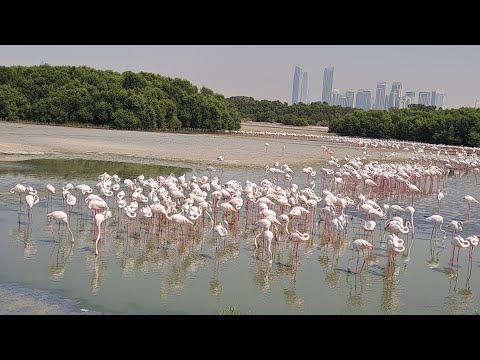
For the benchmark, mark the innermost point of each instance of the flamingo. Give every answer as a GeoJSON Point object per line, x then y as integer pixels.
{"type": "Point", "coordinates": [266, 146]}
{"type": "Point", "coordinates": [458, 242]}
{"type": "Point", "coordinates": [470, 200]}
{"type": "Point", "coordinates": [60, 216]}
{"type": "Point", "coordinates": [370, 226]}
{"type": "Point", "coordinates": [394, 227]}
{"type": "Point", "coordinates": [99, 219]}
{"type": "Point", "coordinates": [51, 191]}
{"type": "Point", "coordinates": [437, 221]}
{"type": "Point", "coordinates": [455, 226]}
{"type": "Point", "coordinates": [337, 226]}
{"type": "Point", "coordinates": [267, 235]}
{"type": "Point", "coordinates": [473, 240]}
{"type": "Point", "coordinates": [357, 245]}
{"type": "Point", "coordinates": [179, 219]}
{"type": "Point", "coordinates": [31, 200]}
{"type": "Point", "coordinates": [411, 210]}
{"type": "Point", "coordinates": [19, 189]}
{"type": "Point", "coordinates": [394, 246]}
{"type": "Point", "coordinates": [221, 230]}
{"type": "Point", "coordinates": [283, 149]}
{"type": "Point", "coordinates": [296, 237]}
{"type": "Point", "coordinates": [440, 197]}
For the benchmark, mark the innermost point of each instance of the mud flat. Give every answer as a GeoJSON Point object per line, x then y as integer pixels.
{"type": "Point", "coordinates": [21, 141]}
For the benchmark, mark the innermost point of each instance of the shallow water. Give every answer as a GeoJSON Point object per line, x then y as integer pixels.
{"type": "Point", "coordinates": [141, 273]}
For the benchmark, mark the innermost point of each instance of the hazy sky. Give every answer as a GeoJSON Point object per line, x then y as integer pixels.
{"type": "Point", "coordinates": [266, 71]}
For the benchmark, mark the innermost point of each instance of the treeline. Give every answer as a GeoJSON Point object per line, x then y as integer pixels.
{"type": "Point", "coordinates": [83, 95]}
{"type": "Point", "coordinates": [418, 123]}
{"type": "Point", "coordinates": [300, 114]}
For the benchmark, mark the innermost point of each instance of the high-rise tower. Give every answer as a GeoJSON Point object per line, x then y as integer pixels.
{"type": "Point", "coordinates": [297, 78]}
{"type": "Point", "coordinates": [327, 85]}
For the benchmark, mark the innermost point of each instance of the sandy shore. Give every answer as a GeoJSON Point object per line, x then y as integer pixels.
{"type": "Point", "coordinates": [19, 141]}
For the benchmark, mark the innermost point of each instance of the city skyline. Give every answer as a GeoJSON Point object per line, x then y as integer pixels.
{"type": "Point", "coordinates": [381, 101]}
{"type": "Point", "coordinates": [265, 71]}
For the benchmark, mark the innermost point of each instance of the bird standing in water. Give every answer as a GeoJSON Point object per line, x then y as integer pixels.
{"type": "Point", "coordinates": [60, 216]}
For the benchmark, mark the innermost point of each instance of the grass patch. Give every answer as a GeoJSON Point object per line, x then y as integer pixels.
{"type": "Point", "coordinates": [231, 310]}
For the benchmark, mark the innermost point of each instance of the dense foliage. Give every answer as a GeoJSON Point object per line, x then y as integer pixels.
{"type": "Point", "coordinates": [82, 95]}
{"type": "Point", "coordinates": [300, 114]}
{"type": "Point", "coordinates": [450, 126]}
{"type": "Point", "coordinates": [417, 123]}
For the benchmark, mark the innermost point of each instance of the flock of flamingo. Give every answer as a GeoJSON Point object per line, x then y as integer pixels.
{"type": "Point", "coordinates": [287, 206]}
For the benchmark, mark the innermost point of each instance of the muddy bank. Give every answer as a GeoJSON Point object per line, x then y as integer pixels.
{"type": "Point", "coordinates": [18, 300]}
{"type": "Point", "coordinates": [20, 141]}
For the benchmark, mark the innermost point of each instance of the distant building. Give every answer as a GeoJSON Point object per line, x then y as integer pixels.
{"type": "Point", "coordinates": [349, 97]}
{"type": "Point", "coordinates": [411, 95]}
{"type": "Point", "coordinates": [364, 99]}
{"type": "Point", "coordinates": [335, 97]}
{"type": "Point", "coordinates": [380, 102]}
{"type": "Point", "coordinates": [394, 97]}
{"type": "Point", "coordinates": [477, 104]}
{"type": "Point", "coordinates": [438, 99]}
{"type": "Point", "coordinates": [297, 78]}
{"type": "Point", "coordinates": [424, 98]}
{"type": "Point", "coordinates": [304, 89]}
{"type": "Point", "coordinates": [404, 102]}
{"type": "Point", "coordinates": [327, 85]}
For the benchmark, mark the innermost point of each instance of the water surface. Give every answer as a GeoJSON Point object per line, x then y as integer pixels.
{"type": "Point", "coordinates": [142, 273]}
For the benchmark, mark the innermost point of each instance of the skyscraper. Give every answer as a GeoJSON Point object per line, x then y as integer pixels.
{"type": "Point", "coordinates": [364, 99]}
{"type": "Point", "coordinates": [395, 94]}
{"type": "Point", "coordinates": [424, 98]}
{"type": "Point", "coordinates": [349, 95]}
{"type": "Point", "coordinates": [335, 97]}
{"type": "Point", "coordinates": [304, 87]}
{"type": "Point", "coordinates": [297, 78]}
{"type": "Point", "coordinates": [380, 95]}
{"type": "Point", "coordinates": [433, 98]}
{"type": "Point", "coordinates": [411, 95]}
{"type": "Point", "coordinates": [438, 98]}
{"type": "Point", "coordinates": [327, 85]}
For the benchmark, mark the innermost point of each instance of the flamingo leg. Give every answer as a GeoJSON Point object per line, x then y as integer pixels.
{"type": "Point", "coordinates": [458, 252]}
{"type": "Point", "coordinates": [358, 258]}
{"type": "Point", "coordinates": [364, 260]}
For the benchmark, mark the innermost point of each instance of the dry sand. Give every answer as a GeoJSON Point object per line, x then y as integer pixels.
{"type": "Point", "coordinates": [20, 141]}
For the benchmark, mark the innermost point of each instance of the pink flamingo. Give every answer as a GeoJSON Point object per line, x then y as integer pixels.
{"type": "Point", "coordinates": [51, 191]}
{"type": "Point", "coordinates": [458, 242]}
{"type": "Point", "coordinates": [395, 245]}
{"type": "Point", "coordinates": [99, 219]}
{"type": "Point", "coordinates": [31, 200]}
{"type": "Point", "coordinates": [437, 221]}
{"type": "Point", "coordinates": [19, 189]}
{"type": "Point", "coordinates": [357, 245]}
{"type": "Point", "coordinates": [473, 240]}
{"type": "Point", "coordinates": [60, 216]}
{"type": "Point", "coordinates": [470, 200]}
{"type": "Point", "coordinates": [296, 237]}
{"type": "Point", "coordinates": [179, 219]}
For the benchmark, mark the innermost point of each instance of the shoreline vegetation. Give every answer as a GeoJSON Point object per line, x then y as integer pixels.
{"type": "Point", "coordinates": [81, 96]}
